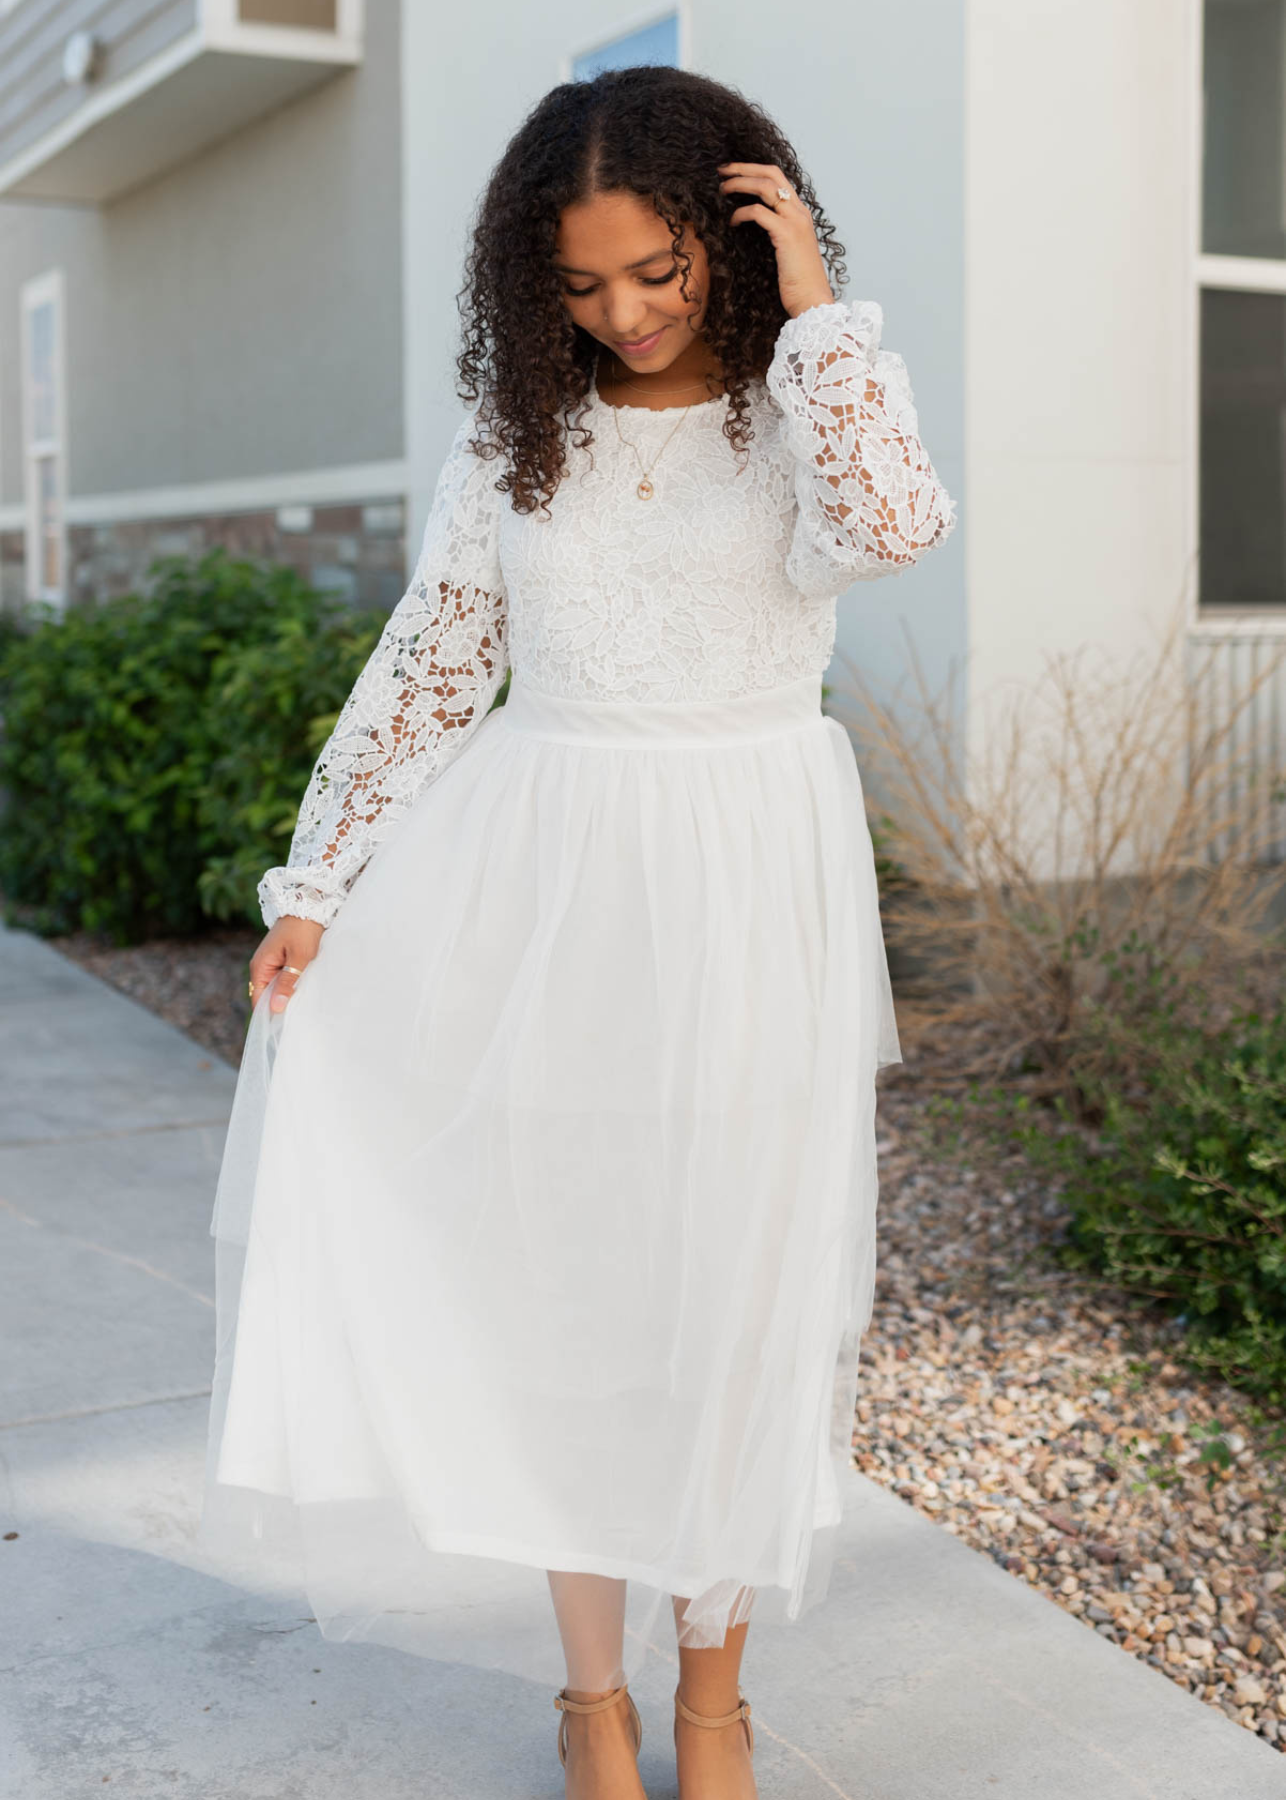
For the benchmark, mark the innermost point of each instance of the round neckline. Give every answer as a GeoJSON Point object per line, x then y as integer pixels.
{"type": "Point", "coordinates": [633, 407]}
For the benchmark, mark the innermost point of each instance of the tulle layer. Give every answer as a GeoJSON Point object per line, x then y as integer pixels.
{"type": "Point", "coordinates": [545, 1227]}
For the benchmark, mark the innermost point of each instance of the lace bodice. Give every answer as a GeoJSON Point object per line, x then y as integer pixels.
{"type": "Point", "coordinates": [724, 581]}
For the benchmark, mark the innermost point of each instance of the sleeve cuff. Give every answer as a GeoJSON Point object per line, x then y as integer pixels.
{"type": "Point", "coordinates": [284, 893]}
{"type": "Point", "coordinates": [817, 331]}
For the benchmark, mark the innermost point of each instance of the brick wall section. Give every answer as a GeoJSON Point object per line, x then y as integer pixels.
{"type": "Point", "coordinates": [357, 550]}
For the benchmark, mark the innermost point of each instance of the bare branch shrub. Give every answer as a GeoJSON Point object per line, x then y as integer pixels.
{"type": "Point", "coordinates": [1105, 815]}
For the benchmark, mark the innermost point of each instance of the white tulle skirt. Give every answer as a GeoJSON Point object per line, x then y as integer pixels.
{"type": "Point", "coordinates": [545, 1227]}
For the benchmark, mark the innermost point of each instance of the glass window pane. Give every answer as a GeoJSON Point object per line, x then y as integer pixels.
{"type": "Point", "coordinates": [1243, 449]}
{"type": "Point", "coordinates": [49, 524]}
{"type": "Point", "coordinates": [40, 325]}
{"type": "Point", "coordinates": [657, 43]}
{"type": "Point", "coordinates": [1244, 206]}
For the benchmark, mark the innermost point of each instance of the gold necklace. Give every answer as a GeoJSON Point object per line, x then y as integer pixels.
{"type": "Point", "coordinates": [645, 490]}
{"type": "Point", "coordinates": [633, 386]}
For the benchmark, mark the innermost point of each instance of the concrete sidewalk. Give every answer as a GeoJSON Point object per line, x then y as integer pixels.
{"type": "Point", "coordinates": [131, 1669]}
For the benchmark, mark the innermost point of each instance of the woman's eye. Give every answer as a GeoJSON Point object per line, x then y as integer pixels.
{"type": "Point", "coordinates": [647, 280]}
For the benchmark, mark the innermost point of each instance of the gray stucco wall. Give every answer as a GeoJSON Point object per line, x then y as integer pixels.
{"type": "Point", "coordinates": [241, 315]}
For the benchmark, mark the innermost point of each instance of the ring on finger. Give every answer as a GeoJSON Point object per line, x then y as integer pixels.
{"type": "Point", "coordinates": [290, 969]}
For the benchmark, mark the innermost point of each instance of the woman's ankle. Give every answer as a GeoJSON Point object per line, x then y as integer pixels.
{"type": "Point", "coordinates": [710, 1702]}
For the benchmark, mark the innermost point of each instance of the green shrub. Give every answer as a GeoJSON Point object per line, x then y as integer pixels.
{"type": "Point", "coordinates": [157, 740]}
{"type": "Point", "coordinates": [1171, 1160]}
{"type": "Point", "coordinates": [1180, 1194]}
{"type": "Point", "coordinates": [271, 704]}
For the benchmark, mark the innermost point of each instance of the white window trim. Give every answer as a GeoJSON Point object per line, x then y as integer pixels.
{"type": "Point", "coordinates": [1246, 274]}
{"type": "Point", "coordinates": [1231, 274]}
{"type": "Point", "coordinates": [337, 485]}
{"type": "Point", "coordinates": [631, 23]}
{"type": "Point", "coordinates": [36, 292]}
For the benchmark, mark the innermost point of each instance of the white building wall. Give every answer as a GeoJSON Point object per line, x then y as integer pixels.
{"type": "Point", "coordinates": [1081, 164]}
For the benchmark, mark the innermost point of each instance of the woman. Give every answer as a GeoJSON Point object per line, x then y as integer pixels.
{"type": "Point", "coordinates": [547, 1250]}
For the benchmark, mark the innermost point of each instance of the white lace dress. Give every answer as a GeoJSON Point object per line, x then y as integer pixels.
{"type": "Point", "coordinates": [546, 1220]}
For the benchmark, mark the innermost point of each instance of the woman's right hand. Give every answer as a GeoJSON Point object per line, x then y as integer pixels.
{"type": "Point", "coordinates": [286, 952]}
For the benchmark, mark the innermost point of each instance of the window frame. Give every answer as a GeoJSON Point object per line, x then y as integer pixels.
{"type": "Point", "coordinates": [679, 10]}
{"type": "Point", "coordinates": [41, 290]}
{"type": "Point", "coordinates": [1231, 274]}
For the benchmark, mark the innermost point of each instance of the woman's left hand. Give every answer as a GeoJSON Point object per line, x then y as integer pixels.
{"type": "Point", "coordinates": [801, 272]}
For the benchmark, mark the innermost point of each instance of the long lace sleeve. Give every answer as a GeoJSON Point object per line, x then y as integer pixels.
{"type": "Point", "coordinates": [426, 687]}
{"type": "Point", "coordinates": [869, 499]}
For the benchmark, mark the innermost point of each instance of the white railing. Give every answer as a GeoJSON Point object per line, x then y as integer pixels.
{"type": "Point", "coordinates": [1237, 681]}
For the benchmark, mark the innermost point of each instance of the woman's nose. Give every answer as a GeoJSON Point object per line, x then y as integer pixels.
{"type": "Point", "coordinates": [623, 314]}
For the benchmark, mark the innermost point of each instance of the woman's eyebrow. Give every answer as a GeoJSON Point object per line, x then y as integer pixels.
{"type": "Point", "coordinates": [641, 263]}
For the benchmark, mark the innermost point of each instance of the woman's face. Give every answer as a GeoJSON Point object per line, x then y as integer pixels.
{"type": "Point", "coordinates": [614, 257]}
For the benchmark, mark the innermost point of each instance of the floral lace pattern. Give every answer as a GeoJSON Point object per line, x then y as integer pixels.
{"type": "Point", "coordinates": [426, 687]}
{"type": "Point", "coordinates": [724, 582]}
{"type": "Point", "coordinates": [869, 500]}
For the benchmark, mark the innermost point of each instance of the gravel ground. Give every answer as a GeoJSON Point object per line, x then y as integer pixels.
{"type": "Point", "coordinates": [1052, 1424]}
{"type": "Point", "coordinates": [1046, 1422]}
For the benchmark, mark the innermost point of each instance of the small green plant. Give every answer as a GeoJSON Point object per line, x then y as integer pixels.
{"type": "Point", "coordinates": [1147, 1470]}
{"type": "Point", "coordinates": [1138, 1375]}
{"type": "Point", "coordinates": [1163, 1470]}
{"type": "Point", "coordinates": [1214, 1453]}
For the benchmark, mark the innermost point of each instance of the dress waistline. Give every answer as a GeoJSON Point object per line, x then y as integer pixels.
{"type": "Point", "coordinates": [769, 712]}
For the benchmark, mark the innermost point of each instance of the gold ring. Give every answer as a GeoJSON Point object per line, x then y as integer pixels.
{"type": "Point", "coordinates": [289, 969]}
{"type": "Point", "coordinates": [250, 989]}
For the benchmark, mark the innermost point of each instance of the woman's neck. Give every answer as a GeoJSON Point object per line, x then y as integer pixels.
{"type": "Point", "coordinates": [693, 376]}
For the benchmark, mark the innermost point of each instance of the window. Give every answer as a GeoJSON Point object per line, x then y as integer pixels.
{"type": "Point", "coordinates": [1242, 180]}
{"type": "Point", "coordinates": [303, 15]}
{"type": "Point", "coordinates": [1241, 274]}
{"type": "Point", "coordinates": [44, 437]}
{"type": "Point", "coordinates": [654, 42]}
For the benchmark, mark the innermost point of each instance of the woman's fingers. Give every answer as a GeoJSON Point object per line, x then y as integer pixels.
{"type": "Point", "coordinates": [761, 213]}
{"type": "Point", "coordinates": [802, 278]}
{"type": "Point", "coordinates": [263, 966]}
{"type": "Point", "coordinates": [282, 958]}
{"type": "Point", "coordinates": [757, 178]}
{"type": "Point", "coordinates": [286, 979]}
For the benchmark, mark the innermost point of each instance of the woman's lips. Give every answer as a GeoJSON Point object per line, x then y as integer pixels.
{"type": "Point", "coordinates": [643, 345]}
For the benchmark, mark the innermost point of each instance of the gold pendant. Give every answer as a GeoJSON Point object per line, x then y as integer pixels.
{"type": "Point", "coordinates": [645, 489]}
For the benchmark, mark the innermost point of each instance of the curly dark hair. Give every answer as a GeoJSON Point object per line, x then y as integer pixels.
{"type": "Point", "coordinates": [656, 132]}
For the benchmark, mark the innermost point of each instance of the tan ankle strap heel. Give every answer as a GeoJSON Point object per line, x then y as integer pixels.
{"type": "Point", "coordinates": [566, 1706]}
{"type": "Point", "coordinates": [742, 1712]}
